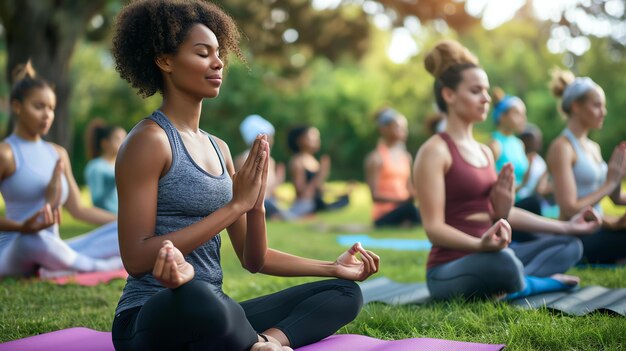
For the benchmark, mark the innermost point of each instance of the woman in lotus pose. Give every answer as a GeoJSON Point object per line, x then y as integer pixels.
{"type": "Point", "coordinates": [467, 209]}
{"type": "Point", "coordinates": [103, 144]}
{"type": "Point", "coordinates": [581, 178]}
{"type": "Point", "coordinates": [178, 190]}
{"type": "Point", "coordinates": [35, 181]}
{"type": "Point", "coordinates": [388, 173]}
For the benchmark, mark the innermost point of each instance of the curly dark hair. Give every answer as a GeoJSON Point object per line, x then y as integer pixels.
{"type": "Point", "coordinates": [148, 28]}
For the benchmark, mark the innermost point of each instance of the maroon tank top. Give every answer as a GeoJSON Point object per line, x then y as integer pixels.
{"type": "Point", "coordinates": [467, 192]}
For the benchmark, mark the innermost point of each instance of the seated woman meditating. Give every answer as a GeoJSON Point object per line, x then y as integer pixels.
{"type": "Point", "coordinates": [581, 177]}
{"type": "Point", "coordinates": [178, 190]}
{"type": "Point", "coordinates": [467, 209]}
{"type": "Point", "coordinates": [36, 180]}
{"type": "Point", "coordinates": [388, 173]}
{"type": "Point", "coordinates": [103, 143]}
{"type": "Point", "coordinates": [309, 174]}
{"type": "Point", "coordinates": [509, 116]}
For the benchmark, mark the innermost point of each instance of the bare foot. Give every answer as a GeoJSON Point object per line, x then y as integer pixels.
{"type": "Point", "coordinates": [269, 346]}
{"type": "Point", "coordinates": [566, 279]}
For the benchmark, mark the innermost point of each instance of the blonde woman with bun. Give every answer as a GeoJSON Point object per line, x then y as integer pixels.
{"type": "Point", "coordinates": [35, 181]}
{"type": "Point", "coordinates": [467, 210]}
{"type": "Point", "coordinates": [580, 175]}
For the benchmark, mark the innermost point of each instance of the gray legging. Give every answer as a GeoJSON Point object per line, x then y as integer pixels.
{"type": "Point", "coordinates": [485, 274]}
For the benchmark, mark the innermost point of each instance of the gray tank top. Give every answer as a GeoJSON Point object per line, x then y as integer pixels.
{"type": "Point", "coordinates": [588, 174]}
{"type": "Point", "coordinates": [186, 195]}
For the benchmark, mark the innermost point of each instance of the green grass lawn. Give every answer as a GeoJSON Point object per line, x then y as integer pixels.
{"type": "Point", "coordinates": [29, 307]}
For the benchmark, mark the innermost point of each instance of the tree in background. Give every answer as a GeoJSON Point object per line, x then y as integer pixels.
{"type": "Point", "coordinates": [46, 32]}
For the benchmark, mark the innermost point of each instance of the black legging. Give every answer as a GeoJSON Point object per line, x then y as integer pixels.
{"type": "Point", "coordinates": [405, 213]}
{"type": "Point", "coordinates": [198, 316]}
{"type": "Point", "coordinates": [605, 246]}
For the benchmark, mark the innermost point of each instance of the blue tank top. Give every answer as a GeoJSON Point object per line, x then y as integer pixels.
{"type": "Point", "coordinates": [24, 190]}
{"type": "Point", "coordinates": [511, 150]}
{"type": "Point", "coordinates": [186, 195]}
{"type": "Point", "coordinates": [588, 174]}
{"type": "Point", "coordinates": [100, 177]}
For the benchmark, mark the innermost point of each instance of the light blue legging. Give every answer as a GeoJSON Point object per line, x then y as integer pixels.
{"type": "Point", "coordinates": [486, 274]}
{"type": "Point", "coordinates": [97, 250]}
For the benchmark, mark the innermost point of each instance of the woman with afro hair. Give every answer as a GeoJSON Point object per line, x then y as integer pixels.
{"type": "Point", "coordinates": [177, 192]}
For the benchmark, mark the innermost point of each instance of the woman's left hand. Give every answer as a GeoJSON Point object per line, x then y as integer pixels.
{"type": "Point", "coordinates": [350, 268]}
{"type": "Point", "coordinates": [587, 221]}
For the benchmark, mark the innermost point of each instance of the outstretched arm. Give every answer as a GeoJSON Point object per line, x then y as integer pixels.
{"type": "Point", "coordinates": [561, 158]}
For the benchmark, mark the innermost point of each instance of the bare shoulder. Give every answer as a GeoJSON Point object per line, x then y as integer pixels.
{"type": "Point", "coordinates": [7, 160]}
{"type": "Point", "coordinates": [147, 144]}
{"type": "Point", "coordinates": [373, 158]}
{"type": "Point", "coordinates": [435, 146]}
{"type": "Point", "coordinates": [145, 135]}
{"type": "Point", "coordinates": [561, 146]}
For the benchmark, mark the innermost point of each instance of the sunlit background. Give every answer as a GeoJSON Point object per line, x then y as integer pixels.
{"type": "Point", "coordinates": [330, 63]}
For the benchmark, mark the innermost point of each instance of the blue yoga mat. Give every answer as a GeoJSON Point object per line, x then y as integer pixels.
{"type": "Point", "coordinates": [384, 243]}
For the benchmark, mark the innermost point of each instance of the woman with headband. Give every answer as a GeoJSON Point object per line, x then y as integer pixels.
{"type": "Point", "coordinates": [509, 116]}
{"type": "Point", "coordinates": [388, 173]}
{"type": "Point", "coordinates": [467, 209]}
{"type": "Point", "coordinates": [581, 178]}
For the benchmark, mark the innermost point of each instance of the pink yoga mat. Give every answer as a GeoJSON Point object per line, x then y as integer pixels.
{"type": "Point", "coordinates": [84, 339]}
{"type": "Point", "coordinates": [91, 278]}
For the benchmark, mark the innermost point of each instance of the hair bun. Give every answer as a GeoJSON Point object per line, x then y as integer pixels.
{"type": "Point", "coordinates": [23, 71]}
{"type": "Point", "coordinates": [560, 80]}
{"type": "Point", "coordinates": [446, 54]}
{"type": "Point", "coordinates": [497, 94]}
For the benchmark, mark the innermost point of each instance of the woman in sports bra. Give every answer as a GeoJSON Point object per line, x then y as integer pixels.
{"type": "Point", "coordinates": [581, 177]}
{"type": "Point", "coordinates": [467, 209]}
{"type": "Point", "coordinates": [35, 181]}
{"type": "Point", "coordinates": [388, 173]}
{"type": "Point", "coordinates": [178, 190]}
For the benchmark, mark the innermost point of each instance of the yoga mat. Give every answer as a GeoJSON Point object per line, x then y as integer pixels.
{"type": "Point", "coordinates": [579, 302]}
{"type": "Point", "coordinates": [387, 291]}
{"type": "Point", "coordinates": [347, 342]}
{"type": "Point", "coordinates": [89, 279]}
{"type": "Point", "coordinates": [84, 339]}
{"type": "Point", "coordinates": [73, 339]}
{"type": "Point", "coordinates": [576, 302]}
{"type": "Point", "coordinates": [384, 243]}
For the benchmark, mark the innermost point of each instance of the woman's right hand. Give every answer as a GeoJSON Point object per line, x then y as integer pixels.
{"type": "Point", "coordinates": [248, 182]}
{"type": "Point", "coordinates": [44, 218]}
{"type": "Point", "coordinates": [502, 194]}
{"type": "Point", "coordinates": [617, 164]}
{"type": "Point", "coordinates": [170, 268]}
{"type": "Point", "coordinates": [497, 237]}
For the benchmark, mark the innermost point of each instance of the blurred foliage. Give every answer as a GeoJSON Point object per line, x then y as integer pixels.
{"type": "Point", "coordinates": [336, 74]}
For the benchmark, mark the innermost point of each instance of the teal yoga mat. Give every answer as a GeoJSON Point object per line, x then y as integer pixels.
{"type": "Point", "coordinates": [384, 243]}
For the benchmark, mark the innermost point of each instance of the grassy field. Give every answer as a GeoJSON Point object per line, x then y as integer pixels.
{"type": "Point", "coordinates": [29, 307]}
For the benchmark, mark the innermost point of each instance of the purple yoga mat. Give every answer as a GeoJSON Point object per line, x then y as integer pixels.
{"type": "Point", "coordinates": [345, 342]}
{"type": "Point", "coordinates": [84, 339]}
{"type": "Point", "coordinates": [73, 339]}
